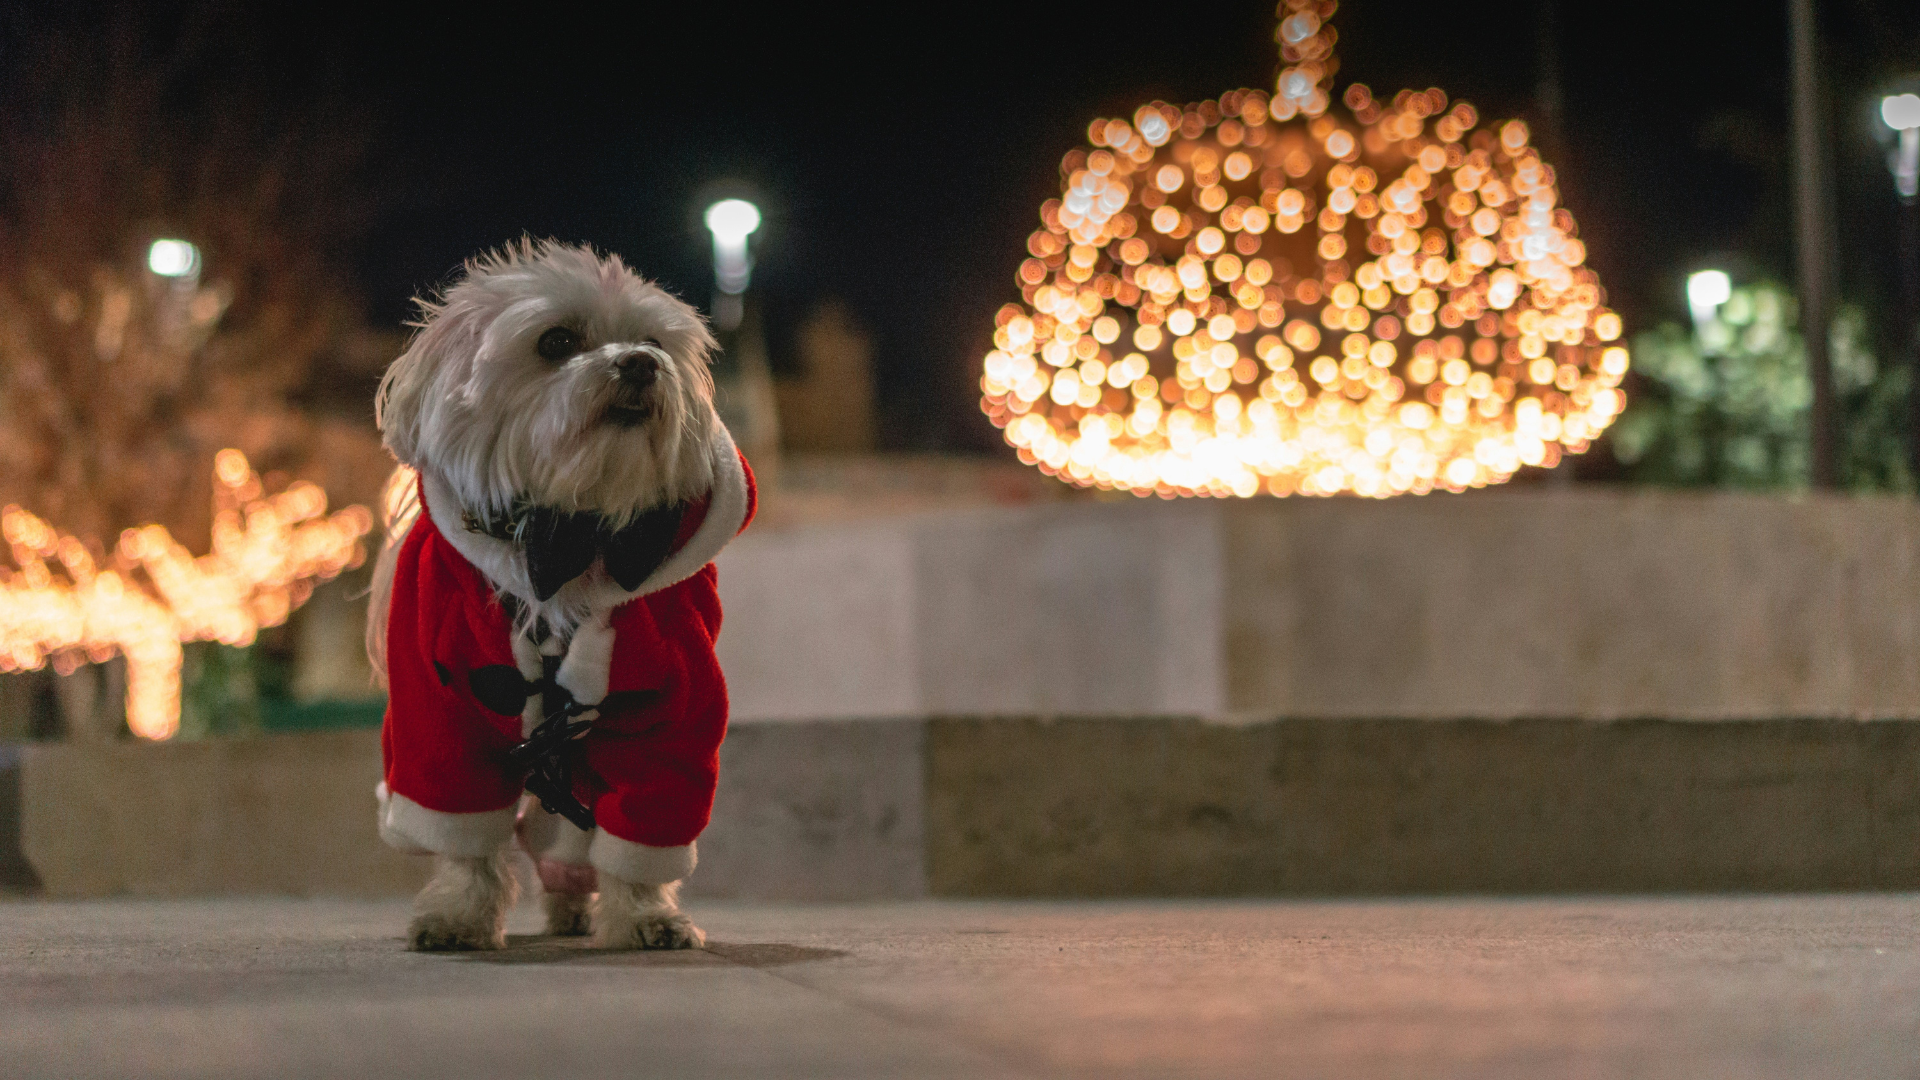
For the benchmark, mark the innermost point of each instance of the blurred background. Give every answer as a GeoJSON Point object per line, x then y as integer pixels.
{"type": "Point", "coordinates": [326, 166]}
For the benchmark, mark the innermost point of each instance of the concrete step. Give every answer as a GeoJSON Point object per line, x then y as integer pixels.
{"type": "Point", "coordinates": [1072, 807]}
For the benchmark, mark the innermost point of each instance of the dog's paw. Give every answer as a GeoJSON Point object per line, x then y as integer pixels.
{"type": "Point", "coordinates": [654, 930]}
{"type": "Point", "coordinates": [569, 915]}
{"type": "Point", "coordinates": [437, 933]}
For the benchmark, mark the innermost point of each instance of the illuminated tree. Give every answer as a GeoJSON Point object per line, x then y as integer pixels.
{"type": "Point", "coordinates": [118, 385]}
{"type": "Point", "coordinates": [1300, 291]}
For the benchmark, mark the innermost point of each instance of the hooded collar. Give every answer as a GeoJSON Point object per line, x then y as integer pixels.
{"type": "Point", "coordinates": [504, 563]}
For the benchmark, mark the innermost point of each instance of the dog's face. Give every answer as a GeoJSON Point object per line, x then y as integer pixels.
{"type": "Point", "coordinates": [553, 374]}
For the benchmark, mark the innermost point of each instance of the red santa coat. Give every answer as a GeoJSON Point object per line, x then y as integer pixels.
{"type": "Point", "coordinates": [648, 766]}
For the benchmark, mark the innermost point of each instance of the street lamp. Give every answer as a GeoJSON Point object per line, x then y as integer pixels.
{"type": "Point", "coordinates": [731, 221]}
{"type": "Point", "coordinates": [174, 259]}
{"type": "Point", "coordinates": [1706, 291]}
{"type": "Point", "coordinates": [1901, 112]}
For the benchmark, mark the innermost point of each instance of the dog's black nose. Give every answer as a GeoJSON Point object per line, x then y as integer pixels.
{"type": "Point", "coordinates": [638, 368]}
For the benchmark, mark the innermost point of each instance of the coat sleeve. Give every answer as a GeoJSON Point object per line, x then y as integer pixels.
{"type": "Point", "coordinates": [656, 765]}
{"type": "Point", "coordinates": [446, 787]}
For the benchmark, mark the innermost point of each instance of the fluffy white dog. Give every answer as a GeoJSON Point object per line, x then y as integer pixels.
{"type": "Point", "coordinates": [548, 621]}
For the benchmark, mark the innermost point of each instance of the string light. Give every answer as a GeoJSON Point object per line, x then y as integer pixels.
{"type": "Point", "coordinates": [268, 552]}
{"type": "Point", "coordinates": [1255, 294]}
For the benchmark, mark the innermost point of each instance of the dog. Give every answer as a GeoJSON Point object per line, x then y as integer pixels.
{"type": "Point", "coordinates": [544, 611]}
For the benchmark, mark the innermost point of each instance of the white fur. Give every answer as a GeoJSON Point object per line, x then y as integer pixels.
{"type": "Point", "coordinates": [464, 905]}
{"type": "Point", "coordinates": [589, 597]}
{"type": "Point", "coordinates": [630, 915]}
{"type": "Point", "coordinates": [485, 420]}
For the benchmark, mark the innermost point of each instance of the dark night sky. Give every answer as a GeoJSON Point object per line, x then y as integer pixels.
{"type": "Point", "coordinates": [902, 152]}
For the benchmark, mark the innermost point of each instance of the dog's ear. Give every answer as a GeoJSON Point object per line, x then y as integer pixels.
{"type": "Point", "coordinates": [400, 405]}
{"type": "Point", "coordinates": [688, 337]}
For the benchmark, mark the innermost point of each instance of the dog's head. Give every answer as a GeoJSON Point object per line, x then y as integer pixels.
{"type": "Point", "coordinates": [551, 374]}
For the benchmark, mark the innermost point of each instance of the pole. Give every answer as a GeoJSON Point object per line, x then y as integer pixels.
{"type": "Point", "coordinates": [1548, 102]}
{"type": "Point", "coordinates": [1813, 230]}
{"type": "Point", "coordinates": [1548, 97]}
{"type": "Point", "coordinates": [1907, 329]}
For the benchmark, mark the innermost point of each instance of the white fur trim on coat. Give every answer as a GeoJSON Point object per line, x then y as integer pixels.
{"type": "Point", "coordinates": [584, 672]}
{"type": "Point", "coordinates": [726, 516]}
{"type": "Point", "coordinates": [412, 828]}
{"type": "Point", "coordinates": [639, 864]}
{"type": "Point", "coordinates": [503, 565]}
{"type": "Point", "coordinates": [526, 657]}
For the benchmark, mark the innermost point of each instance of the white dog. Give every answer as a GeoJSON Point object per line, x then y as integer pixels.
{"type": "Point", "coordinates": [549, 620]}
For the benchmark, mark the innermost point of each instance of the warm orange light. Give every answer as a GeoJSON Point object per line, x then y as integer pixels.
{"type": "Point", "coordinates": [268, 553]}
{"type": "Point", "coordinates": [1380, 305]}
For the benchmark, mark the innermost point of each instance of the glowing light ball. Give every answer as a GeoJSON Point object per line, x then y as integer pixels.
{"type": "Point", "coordinates": [1261, 294]}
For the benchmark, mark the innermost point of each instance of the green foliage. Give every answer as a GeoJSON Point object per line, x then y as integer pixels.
{"type": "Point", "coordinates": [1730, 406]}
{"type": "Point", "coordinates": [219, 691]}
{"type": "Point", "coordinates": [227, 691]}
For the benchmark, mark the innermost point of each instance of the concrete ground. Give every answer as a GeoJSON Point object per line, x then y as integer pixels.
{"type": "Point", "coordinates": [1749, 987]}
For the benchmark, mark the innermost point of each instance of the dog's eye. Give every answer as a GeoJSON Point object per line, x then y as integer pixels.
{"type": "Point", "coordinates": [557, 344]}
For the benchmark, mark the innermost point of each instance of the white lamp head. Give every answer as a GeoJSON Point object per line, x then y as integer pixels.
{"type": "Point", "coordinates": [732, 220]}
{"type": "Point", "coordinates": [173, 258]}
{"type": "Point", "coordinates": [1706, 291]}
{"type": "Point", "coordinates": [1900, 112]}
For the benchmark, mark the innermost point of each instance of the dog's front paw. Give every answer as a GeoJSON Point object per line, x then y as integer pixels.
{"type": "Point", "coordinates": [668, 929]}
{"type": "Point", "coordinates": [438, 933]}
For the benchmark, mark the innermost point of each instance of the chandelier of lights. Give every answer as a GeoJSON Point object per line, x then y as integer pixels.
{"type": "Point", "coordinates": [1256, 294]}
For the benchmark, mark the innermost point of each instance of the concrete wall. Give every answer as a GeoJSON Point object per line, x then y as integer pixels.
{"type": "Point", "coordinates": [819, 811]}
{"type": "Point", "coordinates": [289, 814]}
{"type": "Point", "coordinates": [1074, 608]}
{"type": "Point", "coordinates": [1135, 807]}
{"type": "Point", "coordinates": [1594, 604]}
{"type": "Point", "coordinates": [1107, 806]}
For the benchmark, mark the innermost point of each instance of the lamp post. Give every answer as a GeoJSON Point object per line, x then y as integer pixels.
{"type": "Point", "coordinates": [1706, 291]}
{"type": "Point", "coordinates": [731, 221]}
{"type": "Point", "coordinates": [743, 381]}
{"type": "Point", "coordinates": [1813, 239]}
{"type": "Point", "coordinates": [1901, 114]}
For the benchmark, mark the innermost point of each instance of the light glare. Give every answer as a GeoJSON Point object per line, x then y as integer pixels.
{"type": "Point", "coordinates": [733, 220]}
{"type": "Point", "coordinates": [173, 258]}
{"type": "Point", "coordinates": [1901, 111]}
{"type": "Point", "coordinates": [1706, 291]}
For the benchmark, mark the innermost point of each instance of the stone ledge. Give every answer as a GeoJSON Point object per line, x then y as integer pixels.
{"type": "Point", "coordinates": [16, 874]}
{"type": "Point", "coordinates": [1326, 807]}
{"type": "Point", "coordinates": [1077, 807]}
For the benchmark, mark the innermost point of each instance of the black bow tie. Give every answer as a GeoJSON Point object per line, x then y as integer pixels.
{"type": "Point", "coordinates": [560, 545]}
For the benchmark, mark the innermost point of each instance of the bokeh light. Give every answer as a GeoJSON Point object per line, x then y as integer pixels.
{"type": "Point", "coordinates": [173, 258]}
{"type": "Point", "coordinates": [269, 551]}
{"type": "Point", "coordinates": [1255, 294]}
